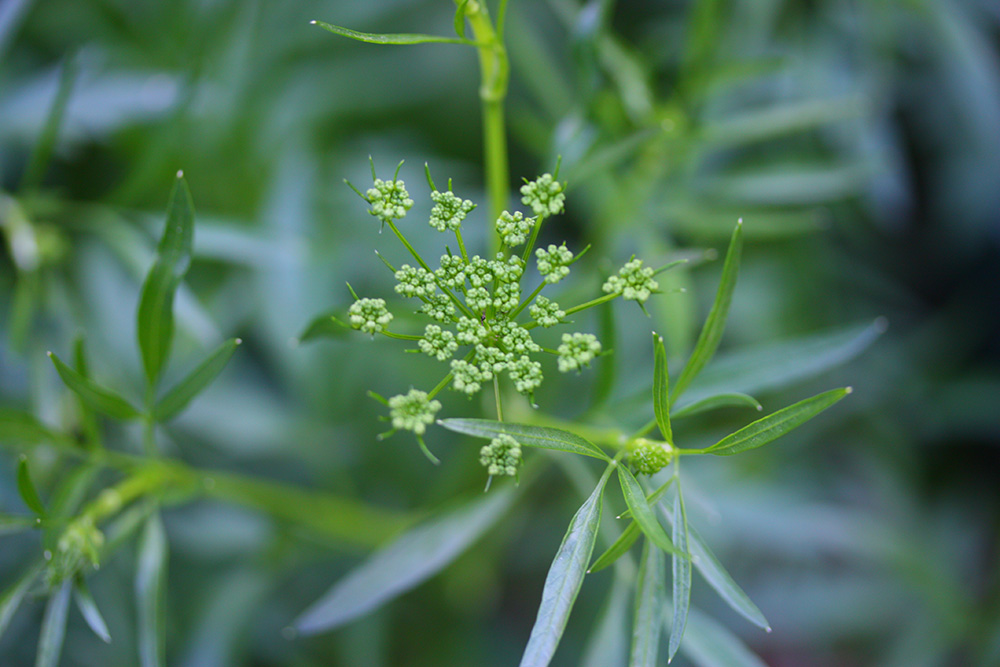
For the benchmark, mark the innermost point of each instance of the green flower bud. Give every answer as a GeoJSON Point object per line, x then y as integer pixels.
{"type": "Point", "coordinates": [553, 263]}
{"type": "Point", "coordinates": [577, 350]}
{"type": "Point", "coordinates": [449, 211]}
{"type": "Point", "coordinates": [634, 282]}
{"type": "Point", "coordinates": [415, 281]}
{"type": "Point", "coordinates": [526, 375]}
{"type": "Point", "coordinates": [545, 312]}
{"type": "Point", "coordinates": [412, 411]}
{"type": "Point", "coordinates": [514, 228]}
{"type": "Point", "coordinates": [389, 200]}
{"type": "Point", "coordinates": [467, 378]}
{"type": "Point", "coordinates": [648, 457]}
{"type": "Point", "coordinates": [369, 315]}
{"type": "Point", "coordinates": [438, 343]}
{"type": "Point", "coordinates": [502, 456]}
{"type": "Point", "coordinates": [544, 195]}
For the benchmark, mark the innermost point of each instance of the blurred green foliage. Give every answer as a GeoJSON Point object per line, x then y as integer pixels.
{"type": "Point", "coordinates": [860, 142]}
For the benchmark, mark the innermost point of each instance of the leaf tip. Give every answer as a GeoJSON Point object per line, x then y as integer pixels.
{"type": "Point", "coordinates": [768, 629]}
{"type": "Point", "coordinates": [22, 458]}
{"type": "Point", "coordinates": [49, 354]}
{"type": "Point", "coordinates": [739, 222]}
{"type": "Point", "coordinates": [180, 173]}
{"type": "Point", "coordinates": [313, 22]}
{"type": "Point", "coordinates": [239, 341]}
{"type": "Point", "coordinates": [848, 390]}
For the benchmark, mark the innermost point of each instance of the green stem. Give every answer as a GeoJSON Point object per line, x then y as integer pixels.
{"type": "Point", "coordinates": [494, 73]}
{"type": "Point", "coordinates": [528, 300]}
{"type": "Point", "coordinates": [440, 385]}
{"type": "Point", "coordinates": [496, 392]}
{"type": "Point", "coordinates": [399, 336]}
{"type": "Point", "coordinates": [461, 245]}
{"type": "Point", "coordinates": [590, 304]}
{"type": "Point", "coordinates": [534, 237]}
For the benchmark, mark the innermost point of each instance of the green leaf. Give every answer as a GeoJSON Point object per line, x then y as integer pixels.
{"type": "Point", "coordinates": [650, 595]}
{"type": "Point", "coordinates": [155, 318]}
{"type": "Point", "coordinates": [177, 398]}
{"type": "Point", "coordinates": [635, 498]}
{"type": "Point", "coordinates": [682, 576]}
{"type": "Point", "coordinates": [783, 363]}
{"type": "Point", "coordinates": [150, 582]}
{"type": "Point", "coordinates": [530, 436]}
{"type": "Point", "coordinates": [721, 581]}
{"type": "Point", "coordinates": [562, 584]}
{"type": "Point", "coordinates": [776, 424]}
{"type": "Point", "coordinates": [98, 398]}
{"type": "Point", "coordinates": [409, 560]}
{"type": "Point", "coordinates": [459, 30]}
{"type": "Point", "coordinates": [12, 597]}
{"type": "Point", "coordinates": [386, 38]}
{"type": "Point", "coordinates": [604, 382]}
{"type": "Point", "coordinates": [50, 641]}
{"type": "Point", "coordinates": [25, 487]}
{"type": "Point", "coordinates": [72, 488]}
{"type": "Point", "coordinates": [323, 326]}
{"type": "Point", "coordinates": [715, 402]}
{"type": "Point", "coordinates": [42, 153]}
{"type": "Point", "coordinates": [711, 333]}
{"type": "Point", "coordinates": [608, 643]}
{"type": "Point", "coordinates": [618, 549]}
{"type": "Point", "coordinates": [88, 607]}
{"type": "Point", "coordinates": [17, 426]}
{"type": "Point", "coordinates": [653, 497]}
{"type": "Point", "coordinates": [708, 644]}
{"type": "Point", "coordinates": [661, 383]}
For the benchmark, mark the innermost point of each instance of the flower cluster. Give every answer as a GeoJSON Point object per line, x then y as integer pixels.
{"type": "Point", "coordinates": [502, 456]}
{"type": "Point", "coordinates": [634, 282]}
{"type": "Point", "coordinates": [476, 303]}
{"type": "Point", "coordinates": [413, 411]}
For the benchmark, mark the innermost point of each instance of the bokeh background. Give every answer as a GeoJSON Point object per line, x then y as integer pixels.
{"type": "Point", "coordinates": [859, 141]}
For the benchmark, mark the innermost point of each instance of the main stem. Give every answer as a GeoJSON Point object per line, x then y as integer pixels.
{"type": "Point", "coordinates": [494, 73]}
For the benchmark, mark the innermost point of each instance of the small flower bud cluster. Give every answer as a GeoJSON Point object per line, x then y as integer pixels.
{"type": "Point", "coordinates": [514, 228]}
{"type": "Point", "coordinates": [468, 378]}
{"type": "Point", "coordinates": [553, 263]}
{"type": "Point", "coordinates": [544, 195]}
{"type": "Point", "coordinates": [415, 281]}
{"type": "Point", "coordinates": [412, 411]}
{"type": "Point", "coordinates": [525, 374]}
{"type": "Point", "coordinates": [634, 282]}
{"type": "Point", "coordinates": [546, 312]}
{"type": "Point", "coordinates": [78, 546]}
{"type": "Point", "coordinates": [438, 343]}
{"type": "Point", "coordinates": [389, 200]}
{"type": "Point", "coordinates": [648, 457]}
{"type": "Point", "coordinates": [449, 211]}
{"type": "Point", "coordinates": [369, 315]}
{"type": "Point", "coordinates": [502, 456]}
{"type": "Point", "coordinates": [439, 308]}
{"type": "Point", "coordinates": [577, 350]}
{"type": "Point", "coordinates": [452, 271]}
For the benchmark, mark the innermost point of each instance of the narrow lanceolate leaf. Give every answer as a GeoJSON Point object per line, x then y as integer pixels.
{"type": "Point", "coordinates": [562, 584]}
{"type": "Point", "coordinates": [17, 426]}
{"type": "Point", "coordinates": [177, 398]}
{"type": "Point", "coordinates": [721, 581]}
{"type": "Point", "coordinates": [661, 382]}
{"type": "Point", "coordinates": [409, 560]}
{"type": "Point", "coordinates": [11, 598]}
{"type": "Point", "coordinates": [460, 20]}
{"type": "Point", "coordinates": [25, 487]}
{"type": "Point", "coordinates": [608, 643]}
{"type": "Point", "coordinates": [389, 38]}
{"type": "Point", "coordinates": [618, 549]}
{"type": "Point", "coordinates": [650, 595]}
{"type": "Point", "coordinates": [88, 607]}
{"type": "Point", "coordinates": [776, 424]}
{"type": "Point", "coordinates": [96, 397]}
{"type": "Point", "coordinates": [715, 402]}
{"type": "Point", "coordinates": [156, 304]}
{"type": "Point", "coordinates": [711, 333]}
{"type": "Point", "coordinates": [323, 326]}
{"type": "Point", "coordinates": [682, 577]}
{"type": "Point", "coordinates": [635, 498]}
{"type": "Point", "coordinates": [50, 641]}
{"type": "Point", "coordinates": [530, 436]}
{"type": "Point", "coordinates": [150, 580]}
{"type": "Point", "coordinates": [709, 644]}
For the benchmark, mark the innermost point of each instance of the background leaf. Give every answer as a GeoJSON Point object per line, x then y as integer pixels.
{"type": "Point", "coordinates": [14, 595]}
{"type": "Point", "coordinates": [608, 643]}
{"type": "Point", "coordinates": [650, 595]}
{"type": "Point", "coordinates": [150, 592]}
{"type": "Point", "coordinates": [409, 560]}
{"type": "Point", "coordinates": [661, 384]}
{"type": "Point", "coordinates": [196, 381]}
{"type": "Point", "coordinates": [50, 642]}
{"type": "Point", "coordinates": [88, 607]}
{"type": "Point", "coordinates": [29, 494]}
{"type": "Point", "coordinates": [398, 38]}
{"type": "Point", "coordinates": [681, 576]}
{"type": "Point", "coordinates": [715, 402]}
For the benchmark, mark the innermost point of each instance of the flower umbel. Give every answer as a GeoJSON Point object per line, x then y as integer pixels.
{"type": "Point", "coordinates": [544, 195]}
{"type": "Point", "coordinates": [369, 315]}
{"type": "Point", "coordinates": [389, 200]}
{"type": "Point", "coordinates": [648, 457]}
{"type": "Point", "coordinates": [634, 282]}
{"type": "Point", "coordinates": [577, 350]}
{"type": "Point", "coordinates": [502, 456]}
{"type": "Point", "coordinates": [412, 411]}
